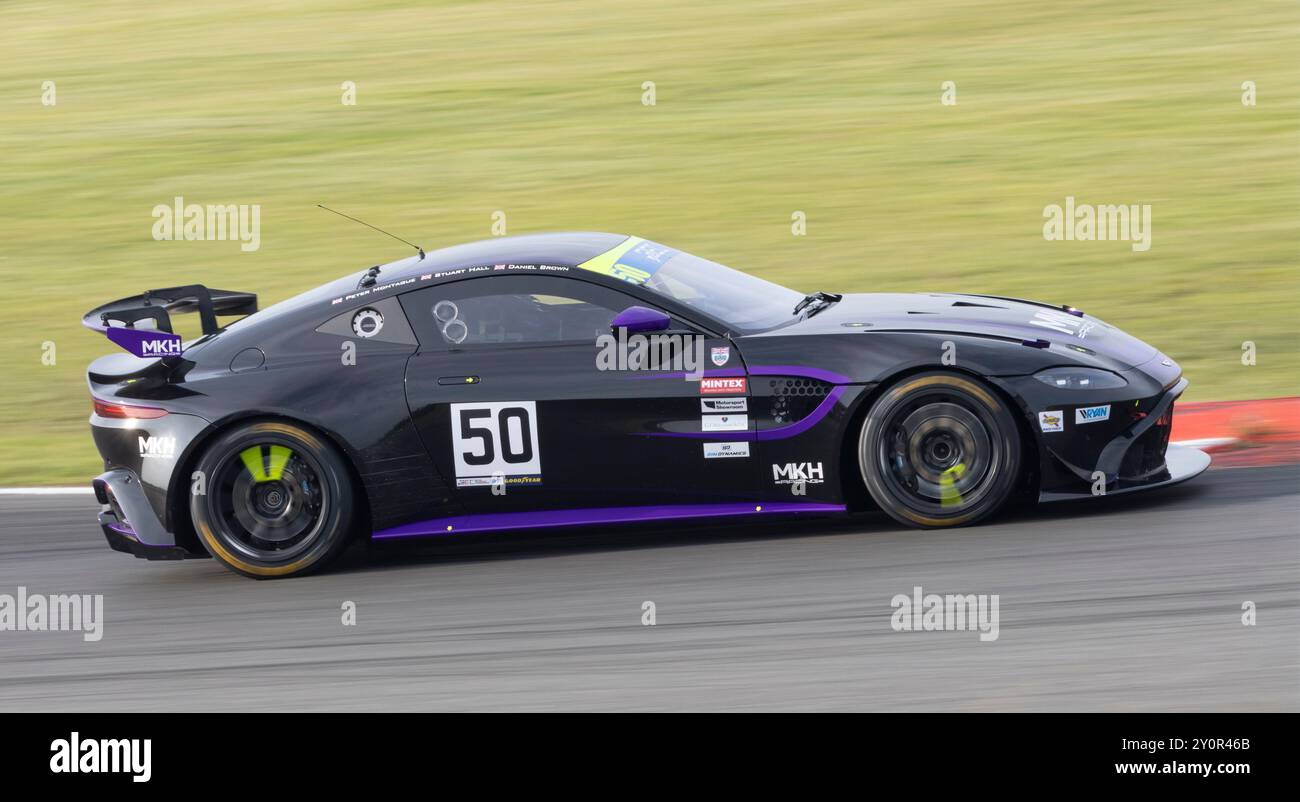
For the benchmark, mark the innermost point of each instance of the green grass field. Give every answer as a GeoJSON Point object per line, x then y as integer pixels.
{"type": "Point", "coordinates": [763, 109]}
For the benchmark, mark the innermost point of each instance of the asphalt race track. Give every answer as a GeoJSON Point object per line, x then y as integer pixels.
{"type": "Point", "coordinates": [1114, 604]}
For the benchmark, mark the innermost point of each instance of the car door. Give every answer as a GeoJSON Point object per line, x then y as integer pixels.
{"type": "Point", "coordinates": [521, 398]}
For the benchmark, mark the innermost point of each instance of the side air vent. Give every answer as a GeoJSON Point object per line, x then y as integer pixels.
{"type": "Point", "coordinates": [794, 398]}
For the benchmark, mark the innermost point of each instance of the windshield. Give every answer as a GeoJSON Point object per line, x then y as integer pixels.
{"type": "Point", "coordinates": [744, 302]}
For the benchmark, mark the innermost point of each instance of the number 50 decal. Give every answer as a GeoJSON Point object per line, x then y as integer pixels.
{"type": "Point", "coordinates": [494, 438]}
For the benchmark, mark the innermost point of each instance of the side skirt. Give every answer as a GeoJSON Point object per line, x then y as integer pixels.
{"type": "Point", "coordinates": [498, 521]}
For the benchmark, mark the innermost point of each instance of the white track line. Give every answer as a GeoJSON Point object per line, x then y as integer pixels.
{"type": "Point", "coordinates": [1207, 443]}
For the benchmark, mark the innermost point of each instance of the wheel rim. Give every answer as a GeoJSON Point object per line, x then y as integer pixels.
{"type": "Point", "coordinates": [268, 501]}
{"type": "Point", "coordinates": [938, 453]}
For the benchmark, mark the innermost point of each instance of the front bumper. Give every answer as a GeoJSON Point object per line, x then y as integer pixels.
{"type": "Point", "coordinates": [128, 521]}
{"type": "Point", "coordinates": [1129, 452]}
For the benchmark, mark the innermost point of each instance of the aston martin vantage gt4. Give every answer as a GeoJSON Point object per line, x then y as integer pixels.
{"type": "Point", "coordinates": [583, 378]}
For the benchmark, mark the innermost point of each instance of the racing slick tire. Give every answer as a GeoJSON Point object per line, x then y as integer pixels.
{"type": "Point", "coordinates": [939, 449]}
{"type": "Point", "coordinates": [278, 500]}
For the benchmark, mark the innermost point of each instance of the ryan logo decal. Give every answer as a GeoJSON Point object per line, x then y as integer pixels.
{"type": "Point", "coordinates": [1092, 414]}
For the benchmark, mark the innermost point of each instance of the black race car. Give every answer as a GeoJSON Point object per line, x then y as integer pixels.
{"type": "Point", "coordinates": [565, 379]}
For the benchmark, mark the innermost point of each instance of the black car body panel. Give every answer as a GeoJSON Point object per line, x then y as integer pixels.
{"type": "Point", "coordinates": [400, 401]}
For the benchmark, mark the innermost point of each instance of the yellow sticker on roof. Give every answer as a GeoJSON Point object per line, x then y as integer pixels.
{"type": "Point", "coordinates": [634, 260]}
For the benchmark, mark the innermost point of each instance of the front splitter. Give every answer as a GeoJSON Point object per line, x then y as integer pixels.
{"type": "Point", "coordinates": [1182, 463]}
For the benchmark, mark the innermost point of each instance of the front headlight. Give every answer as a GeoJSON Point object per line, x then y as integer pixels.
{"type": "Point", "coordinates": [1080, 378]}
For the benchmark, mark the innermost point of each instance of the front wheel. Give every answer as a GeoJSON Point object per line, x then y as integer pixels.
{"type": "Point", "coordinates": [277, 500]}
{"type": "Point", "coordinates": [939, 449]}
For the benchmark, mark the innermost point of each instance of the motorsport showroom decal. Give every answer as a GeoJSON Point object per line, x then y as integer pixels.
{"type": "Point", "coordinates": [1051, 421]}
{"type": "Point", "coordinates": [723, 405]}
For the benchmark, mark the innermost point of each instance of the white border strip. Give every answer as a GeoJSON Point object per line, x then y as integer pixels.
{"type": "Point", "coordinates": [1205, 443]}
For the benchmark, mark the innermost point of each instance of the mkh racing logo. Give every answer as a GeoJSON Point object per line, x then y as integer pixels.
{"type": "Point", "coordinates": [157, 447]}
{"type": "Point", "coordinates": [795, 472]}
{"type": "Point", "coordinates": [146, 343]}
{"type": "Point", "coordinates": [77, 755]}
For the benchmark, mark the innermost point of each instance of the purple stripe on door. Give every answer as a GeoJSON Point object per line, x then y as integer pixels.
{"type": "Point", "coordinates": [497, 521]}
{"type": "Point", "coordinates": [796, 370]}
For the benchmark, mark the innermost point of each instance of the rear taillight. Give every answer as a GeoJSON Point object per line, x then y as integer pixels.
{"type": "Point", "coordinates": [105, 409]}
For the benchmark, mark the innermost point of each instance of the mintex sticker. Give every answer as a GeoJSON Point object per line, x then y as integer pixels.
{"type": "Point", "coordinates": [1052, 421]}
{"type": "Point", "coordinates": [725, 450]}
{"type": "Point", "coordinates": [723, 385]}
{"type": "Point", "coordinates": [1092, 414]}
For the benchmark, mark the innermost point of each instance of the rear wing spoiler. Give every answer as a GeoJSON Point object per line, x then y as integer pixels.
{"type": "Point", "coordinates": [117, 319]}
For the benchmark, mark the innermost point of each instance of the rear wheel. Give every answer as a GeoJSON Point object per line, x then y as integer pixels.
{"type": "Point", "coordinates": [939, 449]}
{"type": "Point", "coordinates": [278, 500]}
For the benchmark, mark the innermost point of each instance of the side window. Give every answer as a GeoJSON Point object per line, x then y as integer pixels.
{"type": "Point", "coordinates": [496, 310]}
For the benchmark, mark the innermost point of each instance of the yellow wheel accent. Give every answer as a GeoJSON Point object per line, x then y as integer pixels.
{"type": "Point", "coordinates": [949, 495]}
{"type": "Point", "coordinates": [279, 456]}
{"type": "Point", "coordinates": [272, 470]}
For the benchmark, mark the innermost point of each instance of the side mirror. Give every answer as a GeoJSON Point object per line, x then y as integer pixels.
{"type": "Point", "coordinates": [639, 318]}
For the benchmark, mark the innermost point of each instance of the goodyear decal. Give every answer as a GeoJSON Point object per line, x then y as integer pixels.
{"type": "Point", "coordinates": [634, 260]}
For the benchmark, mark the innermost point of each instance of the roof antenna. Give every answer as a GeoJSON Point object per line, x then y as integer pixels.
{"type": "Point", "coordinates": [376, 228]}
